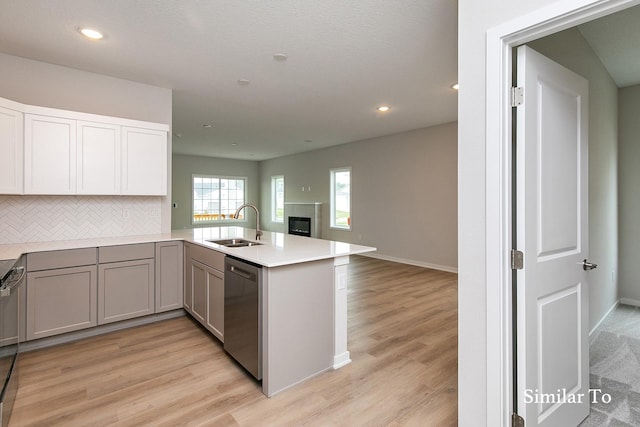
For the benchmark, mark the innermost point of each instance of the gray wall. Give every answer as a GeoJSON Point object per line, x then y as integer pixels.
{"type": "Point", "coordinates": [629, 176]}
{"type": "Point", "coordinates": [570, 49]}
{"type": "Point", "coordinates": [404, 193]}
{"type": "Point", "coordinates": [47, 85]}
{"type": "Point", "coordinates": [185, 166]}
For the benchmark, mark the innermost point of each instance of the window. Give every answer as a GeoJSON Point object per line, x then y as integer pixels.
{"type": "Point", "coordinates": [277, 198]}
{"type": "Point", "coordinates": [216, 198]}
{"type": "Point", "coordinates": [341, 198]}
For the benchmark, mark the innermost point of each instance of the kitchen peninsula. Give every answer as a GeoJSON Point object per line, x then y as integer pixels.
{"type": "Point", "coordinates": [304, 293]}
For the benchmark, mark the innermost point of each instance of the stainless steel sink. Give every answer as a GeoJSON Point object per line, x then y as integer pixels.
{"type": "Point", "coordinates": [234, 243]}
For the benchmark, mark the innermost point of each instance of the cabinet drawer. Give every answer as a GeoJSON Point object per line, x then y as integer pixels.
{"type": "Point", "coordinates": [208, 257]}
{"type": "Point", "coordinates": [126, 252]}
{"type": "Point", "coordinates": [61, 259]}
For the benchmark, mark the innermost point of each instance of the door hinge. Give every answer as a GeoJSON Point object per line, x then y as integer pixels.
{"type": "Point", "coordinates": [517, 420]}
{"type": "Point", "coordinates": [517, 259]}
{"type": "Point", "coordinates": [517, 96]}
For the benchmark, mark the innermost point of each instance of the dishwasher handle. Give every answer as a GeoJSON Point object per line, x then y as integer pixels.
{"type": "Point", "coordinates": [240, 272]}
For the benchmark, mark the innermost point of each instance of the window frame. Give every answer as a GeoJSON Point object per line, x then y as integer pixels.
{"type": "Point", "coordinates": [225, 221]}
{"type": "Point", "coordinates": [274, 204]}
{"type": "Point", "coordinates": [332, 200]}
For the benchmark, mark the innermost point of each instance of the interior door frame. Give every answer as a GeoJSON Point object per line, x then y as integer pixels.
{"type": "Point", "coordinates": [500, 42]}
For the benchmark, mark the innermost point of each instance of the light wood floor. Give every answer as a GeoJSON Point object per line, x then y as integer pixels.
{"type": "Point", "coordinates": [402, 338]}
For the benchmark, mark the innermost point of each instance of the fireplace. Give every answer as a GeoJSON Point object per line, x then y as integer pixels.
{"type": "Point", "coordinates": [303, 219]}
{"type": "Point", "coordinates": [300, 226]}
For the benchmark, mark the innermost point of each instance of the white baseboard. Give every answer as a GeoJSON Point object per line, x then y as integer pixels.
{"type": "Point", "coordinates": [341, 360]}
{"type": "Point", "coordinates": [98, 330]}
{"type": "Point", "coordinates": [412, 262]}
{"type": "Point", "coordinates": [613, 307]}
{"type": "Point", "coordinates": [629, 301]}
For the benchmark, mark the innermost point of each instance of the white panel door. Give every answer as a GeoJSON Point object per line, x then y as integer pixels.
{"type": "Point", "coordinates": [552, 230]}
{"type": "Point", "coordinates": [11, 147]}
{"type": "Point", "coordinates": [98, 165]}
{"type": "Point", "coordinates": [144, 162]}
{"type": "Point", "coordinates": [50, 155]}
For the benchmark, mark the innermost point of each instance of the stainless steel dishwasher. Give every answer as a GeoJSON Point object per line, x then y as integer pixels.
{"type": "Point", "coordinates": [242, 314]}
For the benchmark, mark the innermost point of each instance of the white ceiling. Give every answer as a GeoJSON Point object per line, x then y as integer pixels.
{"type": "Point", "coordinates": [616, 41]}
{"type": "Point", "coordinates": [345, 57]}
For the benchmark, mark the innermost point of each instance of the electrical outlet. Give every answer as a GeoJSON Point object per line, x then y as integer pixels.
{"type": "Point", "coordinates": [125, 213]}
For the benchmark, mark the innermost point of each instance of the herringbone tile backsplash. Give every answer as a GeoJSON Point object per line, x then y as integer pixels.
{"type": "Point", "coordinates": [45, 218]}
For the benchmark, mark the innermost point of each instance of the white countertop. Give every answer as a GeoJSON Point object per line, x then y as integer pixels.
{"type": "Point", "coordinates": [277, 249]}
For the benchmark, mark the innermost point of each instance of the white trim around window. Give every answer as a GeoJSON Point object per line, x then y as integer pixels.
{"type": "Point", "coordinates": [277, 199]}
{"type": "Point", "coordinates": [340, 202]}
{"type": "Point", "coordinates": [215, 198]}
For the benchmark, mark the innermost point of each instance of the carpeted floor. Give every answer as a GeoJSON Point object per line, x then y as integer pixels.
{"type": "Point", "coordinates": [615, 368]}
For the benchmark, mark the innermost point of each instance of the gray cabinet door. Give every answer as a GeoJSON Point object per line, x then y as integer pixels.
{"type": "Point", "coordinates": [199, 289]}
{"type": "Point", "coordinates": [215, 303]}
{"type": "Point", "coordinates": [169, 276]}
{"type": "Point", "coordinates": [188, 285]}
{"type": "Point", "coordinates": [125, 290]}
{"type": "Point", "coordinates": [60, 301]}
{"type": "Point", "coordinates": [208, 297]}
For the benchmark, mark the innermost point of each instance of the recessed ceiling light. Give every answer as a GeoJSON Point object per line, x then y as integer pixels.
{"type": "Point", "coordinates": [234, 143]}
{"type": "Point", "coordinates": [244, 82]}
{"type": "Point", "coordinates": [206, 125]}
{"type": "Point", "coordinates": [383, 108]}
{"type": "Point", "coordinates": [91, 33]}
{"type": "Point", "coordinates": [280, 57]}
{"type": "Point", "coordinates": [308, 140]}
{"type": "Point", "coordinates": [455, 86]}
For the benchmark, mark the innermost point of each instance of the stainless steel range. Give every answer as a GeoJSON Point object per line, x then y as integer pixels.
{"type": "Point", "coordinates": [12, 275]}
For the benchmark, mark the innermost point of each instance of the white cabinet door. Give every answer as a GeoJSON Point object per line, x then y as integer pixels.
{"type": "Point", "coordinates": [98, 164]}
{"type": "Point", "coordinates": [144, 162]}
{"type": "Point", "coordinates": [50, 155]}
{"type": "Point", "coordinates": [11, 147]}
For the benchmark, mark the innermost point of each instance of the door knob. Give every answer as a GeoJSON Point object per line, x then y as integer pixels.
{"type": "Point", "coordinates": [586, 265]}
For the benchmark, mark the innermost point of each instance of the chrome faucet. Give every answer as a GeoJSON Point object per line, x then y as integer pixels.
{"type": "Point", "coordinates": [258, 231]}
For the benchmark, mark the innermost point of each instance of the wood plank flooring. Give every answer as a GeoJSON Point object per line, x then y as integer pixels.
{"type": "Point", "coordinates": [403, 342]}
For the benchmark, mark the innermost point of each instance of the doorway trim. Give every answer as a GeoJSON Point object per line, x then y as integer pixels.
{"type": "Point", "coordinates": [500, 41]}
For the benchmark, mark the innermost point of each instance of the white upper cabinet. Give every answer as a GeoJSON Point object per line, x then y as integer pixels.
{"type": "Point", "coordinates": [11, 147]}
{"type": "Point", "coordinates": [50, 155]}
{"type": "Point", "coordinates": [66, 152]}
{"type": "Point", "coordinates": [99, 158]}
{"type": "Point", "coordinates": [144, 161]}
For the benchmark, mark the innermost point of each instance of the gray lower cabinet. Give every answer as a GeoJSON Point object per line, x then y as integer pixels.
{"type": "Point", "coordinates": [204, 288]}
{"type": "Point", "coordinates": [62, 300]}
{"type": "Point", "coordinates": [215, 303]}
{"type": "Point", "coordinates": [126, 282]}
{"type": "Point", "coordinates": [61, 292]}
{"type": "Point", "coordinates": [188, 287]}
{"type": "Point", "coordinates": [169, 276]}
